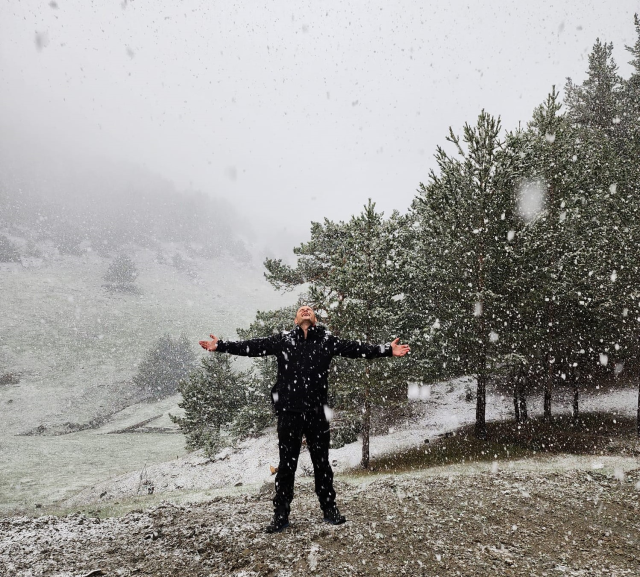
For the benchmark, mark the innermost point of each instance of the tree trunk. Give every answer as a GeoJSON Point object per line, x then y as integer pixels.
{"type": "Point", "coordinates": [548, 387]}
{"type": "Point", "coordinates": [481, 333]}
{"type": "Point", "coordinates": [524, 416]}
{"type": "Point", "coordinates": [481, 406]}
{"type": "Point", "coordinates": [514, 379]}
{"type": "Point", "coordinates": [519, 399]}
{"type": "Point", "coordinates": [638, 418]}
{"type": "Point", "coordinates": [576, 399]}
{"type": "Point", "coordinates": [366, 425]}
{"type": "Point", "coordinates": [551, 342]}
{"type": "Point", "coordinates": [547, 400]}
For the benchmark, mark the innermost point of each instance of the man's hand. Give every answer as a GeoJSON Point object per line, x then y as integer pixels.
{"type": "Point", "coordinates": [210, 345]}
{"type": "Point", "coordinates": [398, 350]}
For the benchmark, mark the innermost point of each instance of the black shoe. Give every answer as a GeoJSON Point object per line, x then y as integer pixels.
{"type": "Point", "coordinates": [332, 515]}
{"type": "Point", "coordinates": [279, 524]}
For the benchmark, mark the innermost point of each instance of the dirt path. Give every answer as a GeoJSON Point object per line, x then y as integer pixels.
{"type": "Point", "coordinates": [504, 523]}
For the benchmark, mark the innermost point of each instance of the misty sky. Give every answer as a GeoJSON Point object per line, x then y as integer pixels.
{"type": "Point", "coordinates": [291, 111]}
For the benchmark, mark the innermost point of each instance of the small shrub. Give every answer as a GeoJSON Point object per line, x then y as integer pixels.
{"type": "Point", "coordinates": [345, 431]}
{"type": "Point", "coordinates": [9, 379]}
{"type": "Point", "coordinates": [8, 250]}
{"type": "Point", "coordinates": [121, 270]}
{"type": "Point", "coordinates": [469, 392]}
{"type": "Point", "coordinates": [169, 361]}
{"type": "Point", "coordinates": [121, 275]}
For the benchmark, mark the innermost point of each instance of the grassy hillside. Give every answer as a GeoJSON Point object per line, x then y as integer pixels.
{"type": "Point", "coordinates": [70, 348]}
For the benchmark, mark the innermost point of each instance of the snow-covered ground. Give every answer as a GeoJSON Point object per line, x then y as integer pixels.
{"type": "Point", "coordinates": [443, 408]}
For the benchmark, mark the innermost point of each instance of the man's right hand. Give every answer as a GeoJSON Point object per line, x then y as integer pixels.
{"type": "Point", "coordinates": [211, 345]}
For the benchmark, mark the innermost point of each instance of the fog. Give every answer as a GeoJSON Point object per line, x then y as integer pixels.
{"type": "Point", "coordinates": [288, 114]}
{"type": "Point", "coordinates": [152, 154]}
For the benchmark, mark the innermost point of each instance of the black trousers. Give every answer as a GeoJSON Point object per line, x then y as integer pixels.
{"type": "Point", "coordinates": [315, 427]}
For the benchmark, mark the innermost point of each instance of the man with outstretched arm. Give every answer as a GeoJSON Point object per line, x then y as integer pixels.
{"type": "Point", "coordinates": [300, 401]}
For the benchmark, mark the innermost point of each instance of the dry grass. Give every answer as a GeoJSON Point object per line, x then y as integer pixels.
{"type": "Point", "coordinates": [592, 434]}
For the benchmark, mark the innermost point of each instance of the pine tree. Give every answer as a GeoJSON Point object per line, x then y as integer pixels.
{"type": "Point", "coordinates": [543, 244]}
{"type": "Point", "coordinates": [573, 261]}
{"type": "Point", "coordinates": [164, 365]}
{"type": "Point", "coordinates": [461, 265]}
{"type": "Point", "coordinates": [211, 399]}
{"type": "Point", "coordinates": [631, 127]}
{"type": "Point", "coordinates": [630, 117]}
{"type": "Point", "coordinates": [121, 274]}
{"type": "Point", "coordinates": [596, 103]}
{"type": "Point", "coordinates": [8, 250]}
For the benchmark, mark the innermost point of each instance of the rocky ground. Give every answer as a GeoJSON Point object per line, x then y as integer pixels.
{"type": "Point", "coordinates": [584, 523]}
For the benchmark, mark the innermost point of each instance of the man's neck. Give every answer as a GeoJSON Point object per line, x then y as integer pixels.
{"type": "Point", "coordinates": [304, 325]}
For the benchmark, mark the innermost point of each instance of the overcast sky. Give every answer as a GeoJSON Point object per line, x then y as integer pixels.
{"type": "Point", "coordinates": [291, 111]}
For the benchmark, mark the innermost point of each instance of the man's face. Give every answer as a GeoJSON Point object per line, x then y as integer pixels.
{"type": "Point", "coordinates": [305, 313]}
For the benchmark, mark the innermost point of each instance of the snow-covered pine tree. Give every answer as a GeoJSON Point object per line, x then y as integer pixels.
{"type": "Point", "coordinates": [122, 274]}
{"type": "Point", "coordinates": [167, 362]}
{"type": "Point", "coordinates": [543, 244]}
{"type": "Point", "coordinates": [565, 255]}
{"type": "Point", "coordinates": [631, 170]}
{"type": "Point", "coordinates": [211, 399]}
{"type": "Point", "coordinates": [461, 263]}
{"type": "Point", "coordinates": [596, 101]}
{"type": "Point", "coordinates": [630, 112]}
{"type": "Point", "coordinates": [610, 183]}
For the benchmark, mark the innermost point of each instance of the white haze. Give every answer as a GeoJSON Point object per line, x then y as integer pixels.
{"type": "Point", "coordinates": [290, 113]}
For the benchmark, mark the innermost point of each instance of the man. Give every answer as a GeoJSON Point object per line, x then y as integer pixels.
{"type": "Point", "coordinates": [300, 401]}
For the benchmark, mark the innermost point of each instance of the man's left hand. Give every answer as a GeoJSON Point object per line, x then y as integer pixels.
{"type": "Point", "coordinates": [398, 350]}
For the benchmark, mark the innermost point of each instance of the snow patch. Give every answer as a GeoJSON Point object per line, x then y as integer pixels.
{"type": "Point", "coordinates": [531, 197]}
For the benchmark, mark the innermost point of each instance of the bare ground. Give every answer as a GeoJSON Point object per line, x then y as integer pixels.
{"type": "Point", "coordinates": [505, 523]}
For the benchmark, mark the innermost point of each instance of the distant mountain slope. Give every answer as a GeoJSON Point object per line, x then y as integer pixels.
{"type": "Point", "coordinates": [72, 346]}
{"type": "Point", "coordinates": [69, 347]}
{"type": "Point", "coordinates": [101, 208]}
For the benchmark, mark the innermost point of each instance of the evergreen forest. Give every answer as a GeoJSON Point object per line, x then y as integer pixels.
{"type": "Point", "coordinates": [518, 259]}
